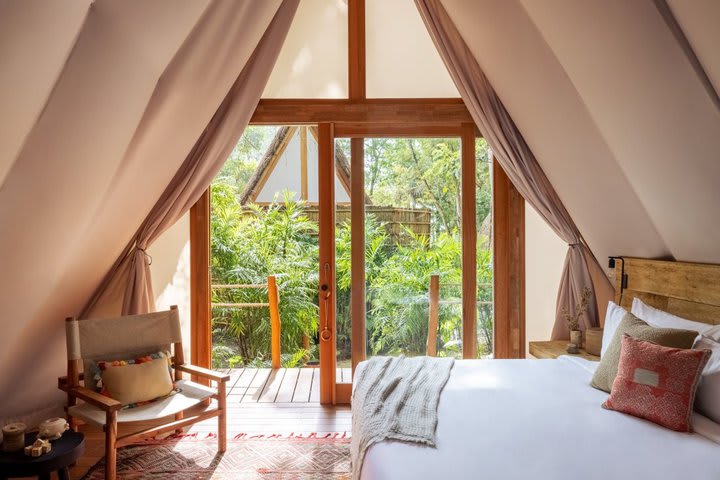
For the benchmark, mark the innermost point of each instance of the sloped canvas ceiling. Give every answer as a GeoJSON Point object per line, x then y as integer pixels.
{"type": "Point", "coordinates": [699, 21]}
{"type": "Point", "coordinates": [28, 74]}
{"type": "Point", "coordinates": [602, 91]}
{"type": "Point", "coordinates": [615, 114]}
{"type": "Point", "coordinates": [100, 138]}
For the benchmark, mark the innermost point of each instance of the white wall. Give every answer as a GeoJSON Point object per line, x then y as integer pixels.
{"type": "Point", "coordinates": [313, 60]}
{"type": "Point", "coordinates": [544, 259]}
{"type": "Point", "coordinates": [170, 271]}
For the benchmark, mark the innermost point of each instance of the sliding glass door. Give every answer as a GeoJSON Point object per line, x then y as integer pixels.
{"type": "Point", "coordinates": [410, 255]}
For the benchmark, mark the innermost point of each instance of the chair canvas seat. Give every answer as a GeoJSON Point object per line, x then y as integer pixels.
{"type": "Point", "coordinates": [190, 394]}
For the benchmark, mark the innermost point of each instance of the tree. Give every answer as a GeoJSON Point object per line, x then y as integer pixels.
{"type": "Point", "coordinates": [244, 158]}
{"type": "Point", "coordinates": [251, 242]}
{"type": "Point", "coordinates": [247, 246]}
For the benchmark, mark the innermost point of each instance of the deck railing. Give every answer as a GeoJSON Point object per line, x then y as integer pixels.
{"type": "Point", "coordinates": [434, 311]}
{"type": "Point", "coordinates": [273, 304]}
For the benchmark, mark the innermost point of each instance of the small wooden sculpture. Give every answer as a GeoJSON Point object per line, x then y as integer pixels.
{"type": "Point", "coordinates": [40, 447]}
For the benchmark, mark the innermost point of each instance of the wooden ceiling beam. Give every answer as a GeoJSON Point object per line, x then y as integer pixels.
{"type": "Point", "coordinates": [356, 49]}
{"type": "Point", "coordinates": [375, 130]}
{"type": "Point", "coordinates": [409, 111]}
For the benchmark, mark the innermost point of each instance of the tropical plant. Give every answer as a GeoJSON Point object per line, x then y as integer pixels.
{"type": "Point", "coordinates": [248, 245]}
{"type": "Point", "coordinates": [251, 242]}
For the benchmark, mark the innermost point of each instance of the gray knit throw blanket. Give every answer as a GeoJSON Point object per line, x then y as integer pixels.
{"type": "Point", "coordinates": [396, 398]}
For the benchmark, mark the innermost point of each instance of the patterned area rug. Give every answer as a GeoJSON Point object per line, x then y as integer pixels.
{"type": "Point", "coordinates": [250, 458]}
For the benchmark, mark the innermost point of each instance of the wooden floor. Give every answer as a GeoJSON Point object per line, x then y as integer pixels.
{"type": "Point", "coordinates": [261, 401]}
{"type": "Point", "coordinates": [285, 385]}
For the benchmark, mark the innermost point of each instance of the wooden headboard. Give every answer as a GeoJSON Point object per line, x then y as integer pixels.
{"type": "Point", "coordinates": [689, 290]}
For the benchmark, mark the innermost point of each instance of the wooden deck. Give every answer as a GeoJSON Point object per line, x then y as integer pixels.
{"type": "Point", "coordinates": [261, 401]}
{"type": "Point", "coordinates": [284, 385]}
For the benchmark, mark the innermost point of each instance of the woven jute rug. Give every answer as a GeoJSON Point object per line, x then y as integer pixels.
{"type": "Point", "coordinates": [245, 458]}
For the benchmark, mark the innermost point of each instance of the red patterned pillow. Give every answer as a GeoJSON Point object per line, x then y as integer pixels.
{"type": "Point", "coordinates": [657, 383]}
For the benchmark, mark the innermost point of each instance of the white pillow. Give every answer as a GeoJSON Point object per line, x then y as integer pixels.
{"type": "Point", "coordinates": [660, 319]}
{"type": "Point", "coordinates": [614, 315]}
{"type": "Point", "coordinates": [713, 333]}
{"type": "Point", "coordinates": [707, 399]}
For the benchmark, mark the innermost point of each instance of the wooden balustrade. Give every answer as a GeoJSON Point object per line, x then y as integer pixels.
{"type": "Point", "coordinates": [434, 296]}
{"type": "Point", "coordinates": [434, 310]}
{"type": "Point", "coordinates": [274, 301]}
{"type": "Point", "coordinates": [273, 304]}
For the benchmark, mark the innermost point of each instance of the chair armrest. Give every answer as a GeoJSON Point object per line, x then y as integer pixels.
{"type": "Point", "coordinates": [101, 401]}
{"type": "Point", "coordinates": [63, 381]}
{"type": "Point", "coordinates": [203, 372]}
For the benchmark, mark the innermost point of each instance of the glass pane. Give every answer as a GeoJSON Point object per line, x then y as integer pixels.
{"type": "Point", "coordinates": [261, 227]}
{"type": "Point", "coordinates": [412, 230]}
{"type": "Point", "coordinates": [343, 317]}
{"type": "Point", "coordinates": [402, 60]}
{"type": "Point", "coordinates": [313, 61]}
{"type": "Point", "coordinates": [484, 209]}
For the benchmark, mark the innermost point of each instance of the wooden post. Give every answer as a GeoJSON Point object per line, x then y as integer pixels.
{"type": "Point", "coordinates": [326, 241]}
{"type": "Point", "coordinates": [274, 301]}
{"type": "Point", "coordinates": [469, 242]}
{"type": "Point", "coordinates": [222, 417]}
{"type": "Point", "coordinates": [356, 49]}
{"type": "Point", "coordinates": [200, 315]}
{"type": "Point", "coordinates": [509, 271]}
{"type": "Point", "coordinates": [434, 296]}
{"type": "Point", "coordinates": [303, 163]}
{"type": "Point", "coordinates": [110, 447]}
{"type": "Point", "coordinates": [73, 381]}
{"type": "Point", "coordinates": [357, 250]}
{"type": "Point", "coordinates": [179, 359]}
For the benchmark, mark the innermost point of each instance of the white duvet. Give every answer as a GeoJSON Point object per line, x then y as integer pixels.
{"type": "Point", "coordinates": [540, 419]}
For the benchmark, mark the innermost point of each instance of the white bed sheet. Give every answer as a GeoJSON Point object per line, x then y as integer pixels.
{"type": "Point", "coordinates": [540, 419]}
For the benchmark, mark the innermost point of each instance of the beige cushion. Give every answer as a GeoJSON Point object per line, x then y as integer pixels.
{"type": "Point", "coordinates": [137, 382]}
{"type": "Point", "coordinates": [636, 328]}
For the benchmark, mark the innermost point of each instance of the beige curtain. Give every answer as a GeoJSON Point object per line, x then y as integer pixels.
{"type": "Point", "coordinates": [210, 150]}
{"type": "Point", "coordinates": [517, 160]}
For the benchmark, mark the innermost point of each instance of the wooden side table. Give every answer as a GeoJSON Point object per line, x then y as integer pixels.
{"type": "Point", "coordinates": [66, 450]}
{"type": "Point", "coordinates": [555, 348]}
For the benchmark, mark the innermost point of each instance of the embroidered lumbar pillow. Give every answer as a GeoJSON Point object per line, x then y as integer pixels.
{"type": "Point", "coordinates": [138, 380]}
{"type": "Point", "coordinates": [636, 328]}
{"type": "Point", "coordinates": [657, 383]}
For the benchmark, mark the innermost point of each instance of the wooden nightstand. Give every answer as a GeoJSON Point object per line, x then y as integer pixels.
{"type": "Point", "coordinates": [555, 348]}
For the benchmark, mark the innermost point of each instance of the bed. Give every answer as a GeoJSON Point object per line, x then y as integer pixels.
{"type": "Point", "coordinates": [540, 419]}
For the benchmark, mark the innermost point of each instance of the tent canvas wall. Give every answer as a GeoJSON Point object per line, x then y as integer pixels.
{"type": "Point", "coordinates": [281, 168]}
{"type": "Point", "coordinates": [621, 114]}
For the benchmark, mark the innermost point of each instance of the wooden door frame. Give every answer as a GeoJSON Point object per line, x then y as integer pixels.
{"type": "Point", "coordinates": [326, 259]}
{"type": "Point", "coordinates": [357, 262]}
{"type": "Point", "coordinates": [359, 117]}
{"type": "Point", "coordinates": [509, 266]}
{"type": "Point", "coordinates": [200, 289]}
{"type": "Point", "coordinates": [508, 254]}
{"type": "Point", "coordinates": [466, 132]}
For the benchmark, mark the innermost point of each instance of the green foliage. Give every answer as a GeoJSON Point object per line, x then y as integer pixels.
{"type": "Point", "coordinates": [251, 242]}
{"type": "Point", "coordinates": [244, 158]}
{"type": "Point", "coordinates": [248, 245]}
{"type": "Point", "coordinates": [424, 173]}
